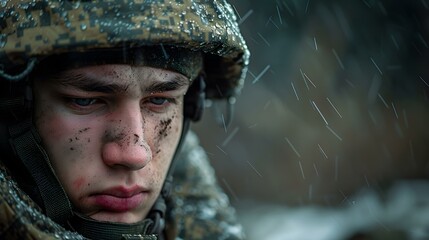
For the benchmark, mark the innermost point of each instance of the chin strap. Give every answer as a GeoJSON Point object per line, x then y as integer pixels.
{"type": "Point", "coordinates": [93, 229]}
{"type": "Point", "coordinates": [26, 143]}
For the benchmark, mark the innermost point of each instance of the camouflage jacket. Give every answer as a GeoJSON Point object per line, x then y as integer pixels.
{"type": "Point", "coordinates": [200, 210]}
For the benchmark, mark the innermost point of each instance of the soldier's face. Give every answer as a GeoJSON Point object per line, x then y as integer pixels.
{"type": "Point", "coordinates": [110, 132]}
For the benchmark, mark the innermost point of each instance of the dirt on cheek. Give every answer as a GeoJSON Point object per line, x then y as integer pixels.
{"type": "Point", "coordinates": [163, 129]}
{"type": "Point", "coordinates": [77, 141]}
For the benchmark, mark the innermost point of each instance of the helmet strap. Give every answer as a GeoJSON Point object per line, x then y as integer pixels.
{"type": "Point", "coordinates": [26, 143]}
{"type": "Point", "coordinates": [94, 229]}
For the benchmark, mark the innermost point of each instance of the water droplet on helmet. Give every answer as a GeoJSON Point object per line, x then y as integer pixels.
{"type": "Point", "coordinates": [3, 38]}
{"type": "Point", "coordinates": [83, 26]}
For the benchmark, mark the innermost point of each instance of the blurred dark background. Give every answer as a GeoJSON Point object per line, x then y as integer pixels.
{"type": "Point", "coordinates": [336, 98]}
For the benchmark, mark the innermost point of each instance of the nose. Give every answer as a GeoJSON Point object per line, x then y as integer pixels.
{"type": "Point", "coordinates": [124, 144]}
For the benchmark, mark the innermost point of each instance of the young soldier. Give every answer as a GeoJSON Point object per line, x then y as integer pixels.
{"type": "Point", "coordinates": [97, 97]}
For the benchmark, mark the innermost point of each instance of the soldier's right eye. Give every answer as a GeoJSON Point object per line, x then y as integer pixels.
{"type": "Point", "coordinates": [83, 102]}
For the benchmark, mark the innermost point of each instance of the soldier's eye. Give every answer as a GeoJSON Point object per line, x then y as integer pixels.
{"type": "Point", "coordinates": [158, 100]}
{"type": "Point", "coordinates": [83, 102]}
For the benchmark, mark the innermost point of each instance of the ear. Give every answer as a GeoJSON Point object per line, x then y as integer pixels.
{"type": "Point", "coordinates": [194, 99]}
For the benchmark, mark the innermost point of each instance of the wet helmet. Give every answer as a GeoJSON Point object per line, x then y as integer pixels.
{"type": "Point", "coordinates": [41, 32]}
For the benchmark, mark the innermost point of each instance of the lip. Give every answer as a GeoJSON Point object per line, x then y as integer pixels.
{"type": "Point", "coordinates": [120, 199]}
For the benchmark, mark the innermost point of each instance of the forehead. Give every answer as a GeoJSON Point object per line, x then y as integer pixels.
{"type": "Point", "coordinates": [120, 78]}
{"type": "Point", "coordinates": [126, 74]}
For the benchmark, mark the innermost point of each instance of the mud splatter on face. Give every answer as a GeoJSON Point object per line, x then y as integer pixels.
{"type": "Point", "coordinates": [136, 138]}
{"type": "Point", "coordinates": [75, 143]}
{"type": "Point", "coordinates": [164, 126]}
{"type": "Point", "coordinates": [123, 136]}
{"type": "Point", "coordinates": [84, 130]}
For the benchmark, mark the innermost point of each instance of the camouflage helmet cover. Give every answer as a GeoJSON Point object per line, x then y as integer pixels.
{"type": "Point", "coordinates": [39, 28]}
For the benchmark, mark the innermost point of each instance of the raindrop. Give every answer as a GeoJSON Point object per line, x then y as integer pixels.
{"type": "Point", "coordinates": [338, 59]}
{"type": "Point", "coordinates": [334, 107]}
{"type": "Point", "coordinates": [294, 90]}
{"type": "Point", "coordinates": [384, 102]}
{"type": "Point", "coordinates": [423, 40]}
{"type": "Point", "coordinates": [221, 150]}
{"type": "Point", "coordinates": [375, 64]}
{"type": "Point", "coordinates": [394, 110]}
{"type": "Point", "coordinates": [366, 180]}
{"type": "Point", "coordinates": [261, 74]}
{"type": "Point", "coordinates": [164, 51]}
{"type": "Point", "coordinates": [315, 43]}
{"type": "Point", "coordinates": [83, 26]}
{"type": "Point", "coordinates": [345, 198]}
{"type": "Point", "coordinates": [333, 132]}
{"type": "Point", "coordinates": [305, 75]}
{"type": "Point", "coordinates": [303, 78]}
{"type": "Point", "coordinates": [278, 13]}
{"type": "Point", "coordinates": [323, 152]}
{"type": "Point", "coordinates": [394, 41]}
{"type": "Point", "coordinates": [306, 7]}
{"type": "Point", "coordinates": [288, 8]}
{"type": "Point", "coordinates": [228, 139]}
{"type": "Point", "coordinates": [254, 169]}
{"type": "Point", "coordinates": [263, 39]}
{"type": "Point", "coordinates": [326, 122]}
{"type": "Point", "coordinates": [230, 189]}
{"type": "Point", "coordinates": [224, 124]}
{"type": "Point", "coordinates": [315, 169]}
{"type": "Point", "coordinates": [3, 38]}
{"type": "Point", "coordinates": [424, 81]}
{"type": "Point", "coordinates": [302, 170]}
{"type": "Point", "coordinates": [292, 146]}
{"type": "Point", "coordinates": [245, 16]}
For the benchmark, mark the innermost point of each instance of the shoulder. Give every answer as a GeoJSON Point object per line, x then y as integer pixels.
{"type": "Point", "coordinates": [201, 209]}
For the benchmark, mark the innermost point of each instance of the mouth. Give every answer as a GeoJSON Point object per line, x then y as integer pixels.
{"type": "Point", "coordinates": [120, 199]}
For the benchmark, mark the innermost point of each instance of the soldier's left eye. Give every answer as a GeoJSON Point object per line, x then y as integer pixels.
{"type": "Point", "coordinates": [158, 100]}
{"type": "Point", "coordinates": [83, 102]}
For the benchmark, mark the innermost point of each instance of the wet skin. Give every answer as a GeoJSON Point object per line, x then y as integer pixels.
{"type": "Point", "coordinates": [110, 132]}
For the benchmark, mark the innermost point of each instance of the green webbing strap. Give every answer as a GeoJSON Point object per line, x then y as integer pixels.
{"type": "Point", "coordinates": [93, 229]}
{"type": "Point", "coordinates": [26, 142]}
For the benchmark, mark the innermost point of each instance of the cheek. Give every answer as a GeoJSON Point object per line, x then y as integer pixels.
{"type": "Point", "coordinates": [67, 141]}
{"type": "Point", "coordinates": [78, 183]}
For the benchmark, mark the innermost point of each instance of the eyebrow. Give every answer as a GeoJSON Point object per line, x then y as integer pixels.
{"type": "Point", "coordinates": [174, 84]}
{"type": "Point", "coordinates": [90, 84]}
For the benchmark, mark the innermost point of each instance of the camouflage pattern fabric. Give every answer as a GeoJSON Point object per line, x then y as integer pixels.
{"type": "Point", "coordinates": [200, 210]}
{"type": "Point", "coordinates": [21, 218]}
{"type": "Point", "coordinates": [35, 29]}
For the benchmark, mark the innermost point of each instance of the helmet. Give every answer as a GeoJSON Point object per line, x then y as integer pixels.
{"type": "Point", "coordinates": [36, 29]}
{"type": "Point", "coordinates": [35, 32]}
